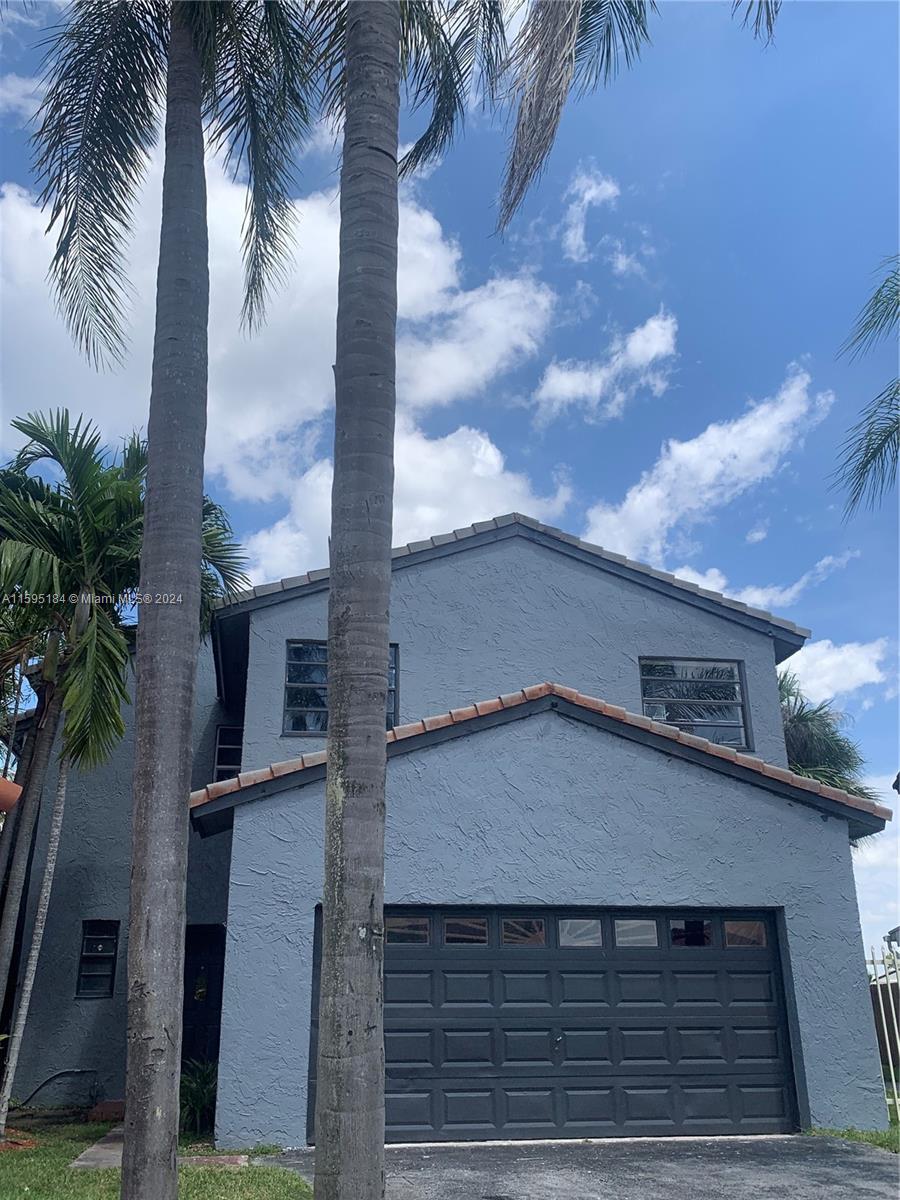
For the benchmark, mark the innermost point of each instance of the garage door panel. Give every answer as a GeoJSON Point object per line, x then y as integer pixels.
{"type": "Point", "coordinates": [578, 1036]}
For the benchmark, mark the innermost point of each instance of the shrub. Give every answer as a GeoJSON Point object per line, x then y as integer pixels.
{"type": "Point", "coordinates": [198, 1096]}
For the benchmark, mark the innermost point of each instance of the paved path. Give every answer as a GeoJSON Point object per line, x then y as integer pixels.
{"type": "Point", "coordinates": [107, 1154]}
{"type": "Point", "coordinates": [758, 1168]}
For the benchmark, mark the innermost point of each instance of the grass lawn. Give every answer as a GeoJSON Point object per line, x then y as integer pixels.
{"type": "Point", "coordinates": [43, 1174]}
{"type": "Point", "coordinates": [884, 1139]}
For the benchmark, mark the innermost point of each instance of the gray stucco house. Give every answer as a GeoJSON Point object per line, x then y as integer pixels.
{"type": "Point", "coordinates": [611, 908]}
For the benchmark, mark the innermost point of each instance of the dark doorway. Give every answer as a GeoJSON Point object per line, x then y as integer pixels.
{"type": "Point", "coordinates": [204, 970]}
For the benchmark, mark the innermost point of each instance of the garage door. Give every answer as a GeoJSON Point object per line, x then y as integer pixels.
{"type": "Point", "coordinates": [506, 1023]}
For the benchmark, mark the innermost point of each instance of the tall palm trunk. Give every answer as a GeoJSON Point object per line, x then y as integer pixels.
{"type": "Point", "coordinates": [29, 806]}
{"type": "Point", "coordinates": [37, 936]}
{"type": "Point", "coordinates": [168, 640]}
{"type": "Point", "coordinates": [350, 1086]}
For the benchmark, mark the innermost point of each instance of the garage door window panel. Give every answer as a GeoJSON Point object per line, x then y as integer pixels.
{"type": "Point", "coordinates": [635, 934]}
{"type": "Point", "coordinates": [465, 931]}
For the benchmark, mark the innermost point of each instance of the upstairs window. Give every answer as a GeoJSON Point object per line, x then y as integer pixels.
{"type": "Point", "coordinates": [229, 748]}
{"type": "Point", "coordinates": [306, 688]}
{"type": "Point", "coordinates": [97, 965]}
{"type": "Point", "coordinates": [700, 696]}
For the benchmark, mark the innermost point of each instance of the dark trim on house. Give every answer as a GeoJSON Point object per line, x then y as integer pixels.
{"type": "Point", "coordinates": [216, 815]}
{"type": "Point", "coordinates": [786, 640]}
{"type": "Point", "coordinates": [801, 1092]}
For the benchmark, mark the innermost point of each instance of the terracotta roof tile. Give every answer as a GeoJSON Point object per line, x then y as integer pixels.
{"type": "Point", "coordinates": [481, 708]}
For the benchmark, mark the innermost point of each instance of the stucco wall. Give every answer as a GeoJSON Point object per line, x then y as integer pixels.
{"type": "Point", "coordinates": [91, 883]}
{"type": "Point", "coordinates": [544, 810]}
{"type": "Point", "coordinates": [498, 617]}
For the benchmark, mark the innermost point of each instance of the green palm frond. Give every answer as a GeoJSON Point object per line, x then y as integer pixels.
{"type": "Point", "coordinates": [479, 44]}
{"type": "Point", "coordinates": [880, 315]}
{"type": "Point", "coordinates": [221, 554]}
{"type": "Point", "coordinates": [608, 33]}
{"type": "Point", "coordinates": [259, 108]}
{"type": "Point", "coordinates": [560, 42]}
{"type": "Point", "coordinates": [434, 78]}
{"type": "Point", "coordinates": [868, 464]}
{"type": "Point", "coordinates": [94, 690]}
{"type": "Point", "coordinates": [104, 74]}
{"type": "Point", "coordinates": [761, 14]}
{"type": "Point", "coordinates": [816, 745]}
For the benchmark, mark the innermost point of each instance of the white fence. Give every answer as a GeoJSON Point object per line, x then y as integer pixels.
{"type": "Point", "coordinates": [884, 987]}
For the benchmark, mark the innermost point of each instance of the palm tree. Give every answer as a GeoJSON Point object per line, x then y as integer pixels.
{"type": "Point", "coordinates": [79, 540]}
{"type": "Point", "coordinates": [442, 48]}
{"type": "Point", "coordinates": [816, 745]}
{"type": "Point", "coordinates": [243, 68]}
{"type": "Point", "coordinates": [868, 465]}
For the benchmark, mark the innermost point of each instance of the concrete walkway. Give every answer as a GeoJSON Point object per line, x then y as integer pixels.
{"type": "Point", "coordinates": [751, 1168]}
{"type": "Point", "coordinates": [107, 1155]}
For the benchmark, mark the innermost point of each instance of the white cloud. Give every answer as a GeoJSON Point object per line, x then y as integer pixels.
{"type": "Point", "coordinates": [876, 863]}
{"type": "Point", "coordinates": [270, 397]}
{"type": "Point", "coordinates": [20, 95]}
{"type": "Point", "coordinates": [480, 334]}
{"type": "Point", "coordinates": [268, 394]}
{"type": "Point", "coordinates": [587, 189]}
{"type": "Point", "coordinates": [758, 533]}
{"type": "Point", "coordinates": [692, 479]}
{"type": "Point", "coordinates": [826, 670]}
{"type": "Point", "coordinates": [441, 483]}
{"type": "Point", "coordinates": [772, 596]}
{"type": "Point", "coordinates": [602, 387]}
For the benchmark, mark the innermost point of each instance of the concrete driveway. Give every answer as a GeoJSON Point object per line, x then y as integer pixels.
{"type": "Point", "coordinates": [758, 1168]}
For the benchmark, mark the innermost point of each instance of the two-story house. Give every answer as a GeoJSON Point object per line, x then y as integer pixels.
{"type": "Point", "coordinates": [610, 907]}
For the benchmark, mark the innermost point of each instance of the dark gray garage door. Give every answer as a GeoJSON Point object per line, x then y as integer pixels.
{"type": "Point", "coordinates": [506, 1023]}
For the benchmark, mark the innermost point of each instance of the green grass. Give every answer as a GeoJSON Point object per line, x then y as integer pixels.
{"type": "Point", "coordinates": [43, 1174]}
{"type": "Point", "coordinates": [884, 1139]}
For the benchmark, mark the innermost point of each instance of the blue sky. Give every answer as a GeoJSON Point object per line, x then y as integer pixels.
{"type": "Point", "coordinates": [647, 358]}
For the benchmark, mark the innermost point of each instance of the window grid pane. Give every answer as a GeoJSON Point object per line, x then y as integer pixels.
{"type": "Point", "coordinates": [703, 698]}
{"type": "Point", "coordinates": [635, 933]}
{"type": "Point", "coordinates": [229, 751]}
{"type": "Point", "coordinates": [690, 932]}
{"type": "Point", "coordinates": [465, 931]}
{"type": "Point", "coordinates": [578, 932]}
{"type": "Point", "coordinates": [408, 930]}
{"type": "Point", "coordinates": [745, 933]}
{"type": "Point", "coordinates": [522, 931]}
{"type": "Point", "coordinates": [306, 688]}
{"type": "Point", "coordinates": [97, 961]}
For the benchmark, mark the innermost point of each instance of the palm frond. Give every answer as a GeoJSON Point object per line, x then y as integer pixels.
{"type": "Point", "coordinates": [94, 690]}
{"type": "Point", "coordinates": [221, 554]}
{"type": "Point", "coordinates": [761, 14]}
{"type": "Point", "coordinates": [868, 464]}
{"type": "Point", "coordinates": [880, 315]}
{"type": "Point", "coordinates": [816, 745]}
{"type": "Point", "coordinates": [96, 126]}
{"type": "Point", "coordinates": [480, 48]}
{"type": "Point", "coordinates": [433, 76]}
{"type": "Point", "coordinates": [608, 32]}
{"type": "Point", "coordinates": [562, 40]}
{"type": "Point", "coordinates": [259, 109]}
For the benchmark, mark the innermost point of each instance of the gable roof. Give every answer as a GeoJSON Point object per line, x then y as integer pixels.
{"type": "Point", "coordinates": [210, 803]}
{"type": "Point", "coordinates": [788, 636]}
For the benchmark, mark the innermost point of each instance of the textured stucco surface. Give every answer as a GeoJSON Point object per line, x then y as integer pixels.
{"type": "Point", "coordinates": [544, 810]}
{"type": "Point", "coordinates": [499, 617]}
{"type": "Point", "coordinates": [91, 883]}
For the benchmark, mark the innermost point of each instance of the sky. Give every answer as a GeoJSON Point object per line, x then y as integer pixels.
{"type": "Point", "coordinates": [647, 358]}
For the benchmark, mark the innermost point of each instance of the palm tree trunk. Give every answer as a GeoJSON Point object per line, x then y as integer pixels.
{"type": "Point", "coordinates": [15, 718]}
{"type": "Point", "coordinates": [168, 640]}
{"type": "Point", "coordinates": [9, 832]}
{"type": "Point", "coordinates": [29, 806]}
{"type": "Point", "coordinates": [350, 1085]}
{"type": "Point", "coordinates": [37, 936]}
